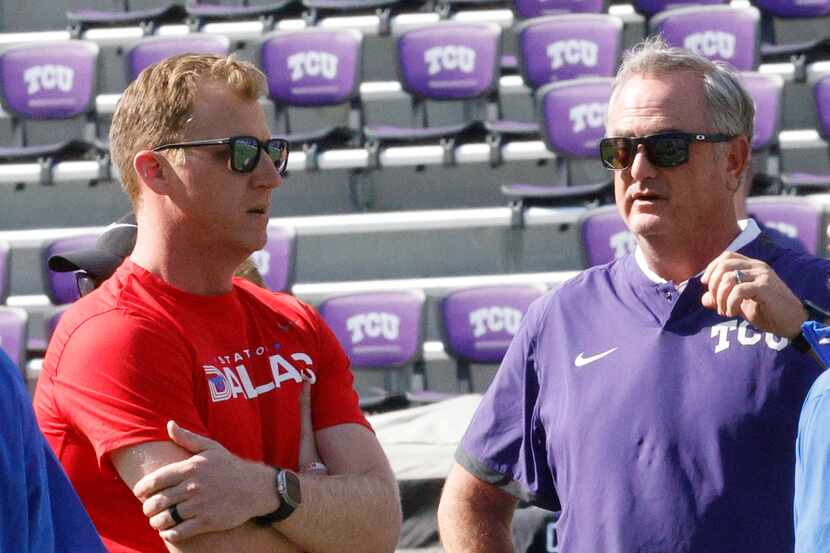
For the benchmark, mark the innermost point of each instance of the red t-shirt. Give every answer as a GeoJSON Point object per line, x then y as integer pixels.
{"type": "Point", "coordinates": [138, 352]}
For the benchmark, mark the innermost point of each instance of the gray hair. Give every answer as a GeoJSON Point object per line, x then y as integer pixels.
{"type": "Point", "coordinates": [729, 107]}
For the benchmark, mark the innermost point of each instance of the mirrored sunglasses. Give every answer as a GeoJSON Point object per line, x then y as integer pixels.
{"type": "Point", "coordinates": [244, 151]}
{"type": "Point", "coordinates": [662, 150]}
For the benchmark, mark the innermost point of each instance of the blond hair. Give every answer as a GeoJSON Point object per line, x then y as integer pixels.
{"type": "Point", "coordinates": [156, 107]}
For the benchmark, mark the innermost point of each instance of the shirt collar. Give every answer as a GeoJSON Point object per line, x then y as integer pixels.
{"type": "Point", "coordinates": [749, 232]}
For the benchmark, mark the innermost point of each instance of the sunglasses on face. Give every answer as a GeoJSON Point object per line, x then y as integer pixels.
{"type": "Point", "coordinates": [244, 150]}
{"type": "Point", "coordinates": [85, 283]}
{"type": "Point", "coordinates": [662, 150]}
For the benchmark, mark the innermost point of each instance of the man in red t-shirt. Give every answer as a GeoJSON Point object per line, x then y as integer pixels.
{"type": "Point", "coordinates": [173, 336]}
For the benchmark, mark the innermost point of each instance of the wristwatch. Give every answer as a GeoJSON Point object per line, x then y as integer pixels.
{"type": "Point", "coordinates": [287, 485]}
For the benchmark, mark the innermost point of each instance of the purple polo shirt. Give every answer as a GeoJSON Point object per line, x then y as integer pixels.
{"type": "Point", "coordinates": [654, 424]}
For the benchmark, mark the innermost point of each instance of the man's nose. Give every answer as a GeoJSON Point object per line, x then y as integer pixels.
{"type": "Point", "coordinates": [641, 166]}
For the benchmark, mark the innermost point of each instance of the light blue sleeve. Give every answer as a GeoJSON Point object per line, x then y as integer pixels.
{"type": "Point", "coordinates": [812, 472]}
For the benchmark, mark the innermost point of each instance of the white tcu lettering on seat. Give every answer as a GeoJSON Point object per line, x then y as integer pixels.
{"type": "Point", "coordinates": [747, 336]}
{"type": "Point", "coordinates": [313, 64]}
{"type": "Point", "coordinates": [622, 243]}
{"type": "Point", "coordinates": [48, 77]}
{"type": "Point", "coordinates": [587, 115]}
{"type": "Point", "coordinates": [572, 52]}
{"type": "Point", "coordinates": [448, 58]}
{"type": "Point", "coordinates": [373, 325]}
{"type": "Point", "coordinates": [229, 382]}
{"type": "Point", "coordinates": [711, 43]}
{"type": "Point", "coordinates": [495, 319]}
{"type": "Point", "coordinates": [784, 228]}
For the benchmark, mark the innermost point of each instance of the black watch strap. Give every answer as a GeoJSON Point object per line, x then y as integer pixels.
{"type": "Point", "coordinates": [287, 486]}
{"type": "Point", "coordinates": [800, 343]}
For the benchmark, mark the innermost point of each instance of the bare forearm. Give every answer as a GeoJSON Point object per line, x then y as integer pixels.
{"type": "Point", "coordinates": [359, 512]}
{"type": "Point", "coordinates": [248, 537]}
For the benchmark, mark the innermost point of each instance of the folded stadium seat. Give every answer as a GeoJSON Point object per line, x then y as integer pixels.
{"type": "Point", "coordinates": [48, 89]}
{"type": "Point", "coordinates": [805, 182]}
{"type": "Point", "coordinates": [13, 333]}
{"type": "Point", "coordinates": [308, 70]}
{"type": "Point", "coordinates": [452, 64]}
{"type": "Point", "coordinates": [61, 287]}
{"type": "Point", "coordinates": [154, 49]}
{"type": "Point", "coordinates": [317, 10]}
{"type": "Point", "coordinates": [794, 30]}
{"type": "Point", "coordinates": [796, 218]}
{"type": "Point", "coordinates": [766, 91]}
{"type": "Point", "coordinates": [525, 9]}
{"type": "Point", "coordinates": [603, 236]}
{"type": "Point", "coordinates": [5, 270]}
{"type": "Point", "coordinates": [721, 33]}
{"type": "Point", "coordinates": [479, 323]}
{"type": "Point", "coordinates": [382, 332]}
{"type": "Point", "coordinates": [117, 13]}
{"type": "Point", "coordinates": [573, 122]}
{"type": "Point", "coordinates": [557, 48]}
{"type": "Point", "coordinates": [200, 12]}
{"type": "Point", "coordinates": [276, 262]}
{"type": "Point", "coordinates": [649, 8]}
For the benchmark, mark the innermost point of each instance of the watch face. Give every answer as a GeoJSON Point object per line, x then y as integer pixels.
{"type": "Point", "coordinates": [289, 487]}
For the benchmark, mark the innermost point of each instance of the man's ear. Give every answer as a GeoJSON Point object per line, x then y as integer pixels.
{"type": "Point", "coordinates": [737, 160]}
{"type": "Point", "coordinates": [153, 170]}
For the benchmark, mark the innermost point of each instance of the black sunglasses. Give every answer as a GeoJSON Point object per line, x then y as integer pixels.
{"type": "Point", "coordinates": [668, 149]}
{"type": "Point", "coordinates": [85, 283]}
{"type": "Point", "coordinates": [245, 151]}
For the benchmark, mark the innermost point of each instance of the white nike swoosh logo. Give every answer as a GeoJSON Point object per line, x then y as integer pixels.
{"type": "Point", "coordinates": [581, 360]}
{"type": "Point", "coordinates": [823, 341]}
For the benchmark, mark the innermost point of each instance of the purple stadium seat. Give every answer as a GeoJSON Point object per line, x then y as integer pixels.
{"type": "Point", "coordinates": [573, 122]}
{"type": "Point", "coordinates": [380, 331]}
{"type": "Point", "coordinates": [446, 61]}
{"type": "Point", "coordinates": [13, 332]}
{"type": "Point", "coordinates": [200, 12]}
{"type": "Point", "coordinates": [48, 81]}
{"type": "Point", "coordinates": [561, 47]}
{"type": "Point", "coordinates": [794, 217]}
{"type": "Point", "coordinates": [148, 19]}
{"type": "Point", "coordinates": [715, 32]}
{"type": "Point", "coordinates": [526, 9]}
{"type": "Point", "coordinates": [794, 8]}
{"type": "Point", "coordinates": [766, 92]}
{"type": "Point", "coordinates": [558, 48]}
{"type": "Point", "coordinates": [479, 323]}
{"type": "Point", "coordinates": [650, 8]}
{"type": "Point", "coordinates": [603, 236]}
{"type": "Point", "coordinates": [60, 287]}
{"type": "Point", "coordinates": [313, 68]}
{"type": "Point", "coordinates": [810, 182]}
{"type": "Point", "coordinates": [5, 270]}
{"type": "Point", "coordinates": [154, 49]}
{"type": "Point", "coordinates": [276, 262]}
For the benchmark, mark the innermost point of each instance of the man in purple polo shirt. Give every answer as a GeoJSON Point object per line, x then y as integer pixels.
{"type": "Point", "coordinates": [654, 400]}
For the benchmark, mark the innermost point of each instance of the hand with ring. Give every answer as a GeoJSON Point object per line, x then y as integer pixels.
{"type": "Point", "coordinates": [738, 286]}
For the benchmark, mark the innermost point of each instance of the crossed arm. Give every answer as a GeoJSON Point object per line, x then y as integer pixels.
{"type": "Point", "coordinates": [355, 508]}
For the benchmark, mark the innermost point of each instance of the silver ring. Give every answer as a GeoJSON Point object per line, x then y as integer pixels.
{"type": "Point", "coordinates": [739, 277]}
{"type": "Point", "coordinates": [174, 514]}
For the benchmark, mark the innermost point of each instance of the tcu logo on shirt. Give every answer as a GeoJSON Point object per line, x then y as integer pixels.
{"type": "Point", "coordinates": [449, 58]}
{"type": "Point", "coordinates": [621, 243]}
{"type": "Point", "coordinates": [495, 319]}
{"type": "Point", "coordinates": [572, 52]}
{"type": "Point", "coordinates": [745, 335]}
{"type": "Point", "coordinates": [373, 325]}
{"type": "Point", "coordinates": [784, 228]}
{"type": "Point", "coordinates": [313, 64]}
{"type": "Point", "coordinates": [587, 115]}
{"type": "Point", "coordinates": [48, 77]}
{"type": "Point", "coordinates": [711, 44]}
{"type": "Point", "coordinates": [229, 382]}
